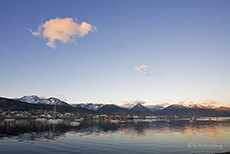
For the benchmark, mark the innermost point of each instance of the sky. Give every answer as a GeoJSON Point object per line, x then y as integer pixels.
{"type": "Point", "coordinates": [125, 51]}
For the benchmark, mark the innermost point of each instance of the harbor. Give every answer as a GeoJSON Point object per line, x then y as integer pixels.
{"type": "Point", "coordinates": [98, 135]}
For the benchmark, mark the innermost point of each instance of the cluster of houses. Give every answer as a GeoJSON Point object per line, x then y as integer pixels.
{"type": "Point", "coordinates": [33, 114]}
{"type": "Point", "coordinates": [38, 114]}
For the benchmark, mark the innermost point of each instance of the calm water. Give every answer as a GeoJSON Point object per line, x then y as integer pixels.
{"type": "Point", "coordinates": [177, 136]}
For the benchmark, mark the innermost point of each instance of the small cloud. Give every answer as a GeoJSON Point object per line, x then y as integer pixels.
{"type": "Point", "coordinates": [62, 29]}
{"type": "Point", "coordinates": [42, 97]}
{"type": "Point", "coordinates": [181, 102]}
{"type": "Point", "coordinates": [163, 104]}
{"type": "Point", "coordinates": [209, 102]}
{"type": "Point", "coordinates": [61, 97]}
{"type": "Point", "coordinates": [142, 68]}
{"type": "Point", "coordinates": [140, 102]}
{"type": "Point", "coordinates": [145, 70]}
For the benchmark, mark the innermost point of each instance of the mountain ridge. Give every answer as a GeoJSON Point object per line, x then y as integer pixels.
{"type": "Point", "coordinates": [34, 99]}
{"type": "Point", "coordinates": [174, 109]}
{"type": "Point", "coordinates": [89, 106]}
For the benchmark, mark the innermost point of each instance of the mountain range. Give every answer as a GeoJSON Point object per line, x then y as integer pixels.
{"type": "Point", "coordinates": [175, 109]}
{"type": "Point", "coordinates": [37, 100]}
{"type": "Point", "coordinates": [89, 106]}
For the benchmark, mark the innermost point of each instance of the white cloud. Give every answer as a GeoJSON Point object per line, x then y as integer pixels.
{"type": "Point", "coordinates": [62, 29]}
{"type": "Point", "coordinates": [145, 70]}
{"type": "Point", "coordinates": [142, 68]}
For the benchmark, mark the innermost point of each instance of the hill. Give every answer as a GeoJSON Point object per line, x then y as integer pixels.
{"type": "Point", "coordinates": [113, 109]}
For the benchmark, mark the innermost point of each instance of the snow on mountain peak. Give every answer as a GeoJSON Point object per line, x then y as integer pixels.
{"type": "Point", "coordinates": [89, 106]}
{"type": "Point", "coordinates": [33, 99]}
{"type": "Point", "coordinates": [30, 99]}
{"type": "Point", "coordinates": [139, 105]}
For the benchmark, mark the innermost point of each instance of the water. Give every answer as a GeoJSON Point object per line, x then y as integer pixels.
{"type": "Point", "coordinates": [176, 136]}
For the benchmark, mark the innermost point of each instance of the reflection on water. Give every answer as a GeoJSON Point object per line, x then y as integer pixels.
{"type": "Point", "coordinates": [31, 129]}
{"type": "Point", "coordinates": [36, 129]}
{"type": "Point", "coordinates": [180, 135]}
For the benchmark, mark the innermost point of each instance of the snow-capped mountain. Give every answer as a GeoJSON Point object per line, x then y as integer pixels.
{"type": "Point", "coordinates": [222, 108]}
{"type": "Point", "coordinates": [157, 107]}
{"type": "Point", "coordinates": [140, 108]}
{"type": "Point", "coordinates": [89, 106]}
{"type": "Point", "coordinates": [36, 100]}
{"type": "Point", "coordinates": [190, 109]}
{"type": "Point", "coordinates": [176, 106]}
{"type": "Point", "coordinates": [196, 106]}
{"type": "Point", "coordinates": [188, 106]}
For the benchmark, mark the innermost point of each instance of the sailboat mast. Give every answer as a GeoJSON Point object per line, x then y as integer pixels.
{"type": "Point", "coordinates": [55, 110]}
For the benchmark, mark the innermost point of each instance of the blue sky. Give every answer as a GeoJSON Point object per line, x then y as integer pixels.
{"type": "Point", "coordinates": [183, 44]}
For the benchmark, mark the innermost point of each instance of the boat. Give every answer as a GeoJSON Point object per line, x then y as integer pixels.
{"type": "Point", "coordinates": [40, 119]}
{"type": "Point", "coordinates": [78, 119]}
{"type": "Point", "coordinates": [114, 121]}
{"type": "Point", "coordinates": [9, 119]}
{"type": "Point", "coordinates": [54, 121]}
{"type": "Point", "coordinates": [210, 120]}
{"type": "Point", "coordinates": [144, 120]}
{"type": "Point", "coordinates": [175, 117]}
{"type": "Point", "coordinates": [167, 120]}
{"type": "Point", "coordinates": [122, 122]}
{"type": "Point", "coordinates": [74, 123]}
{"type": "Point", "coordinates": [192, 119]}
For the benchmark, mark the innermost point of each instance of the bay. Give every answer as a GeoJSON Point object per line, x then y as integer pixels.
{"type": "Point", "coordinates": [102, 136]}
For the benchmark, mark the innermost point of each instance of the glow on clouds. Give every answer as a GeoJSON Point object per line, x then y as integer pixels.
{"type": "Point", "coordinates": [62, 29]}
{"type": "Point", "coordinates": [142, 68]}
{"type": "Point", "coordinates": [209, 102]}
